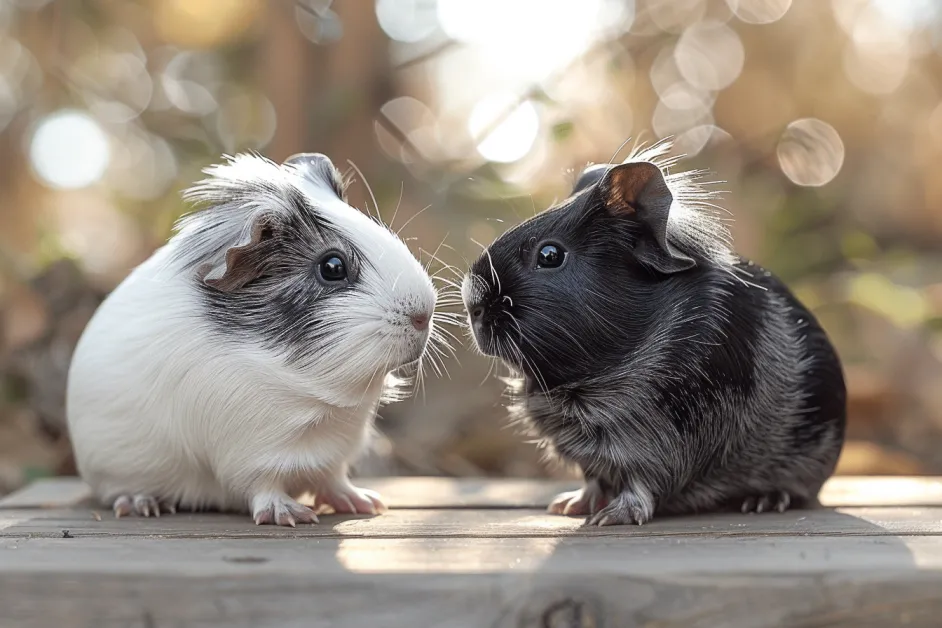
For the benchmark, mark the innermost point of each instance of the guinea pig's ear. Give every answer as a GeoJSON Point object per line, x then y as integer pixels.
{"type": "Point", "coordinates": [638, 190]}
{"type": "Point", "coordinates": [244, 261]}
{"type": "Point", "coordinates": [590, 176]}
{"type": "Point", "coordinates": [319, 170]}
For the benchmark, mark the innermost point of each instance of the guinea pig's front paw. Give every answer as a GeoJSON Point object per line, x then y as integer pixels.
{"type": "Point", "coordinates": [345, 498]}
{"type": "Point", "coordinates": [627, 508]}
{"type": "Point", "coordinates": [279, 509]}
{"type": "Point", "coordinates": [776, 500]}
{"type": "Point", "coordinates": [143, 505]}
{"type": "Point", "coordinates": [588, 500]}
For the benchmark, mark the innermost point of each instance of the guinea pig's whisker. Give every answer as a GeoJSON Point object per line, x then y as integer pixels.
{"type": "Point", "coordinates": [445, 332]}
{"type": "Point", "coordinates": [413, 217]}
{"type": "Point", "coordinates": [402, 187]}
{"type": "Point", "coordinates": [451, 283]}
{"type": "Point", "coordinates": [539, 315]}
{"type": "Point", "coordinates": [396, 282]}
{"type": "Point", "coordinates": [433, 256]}
{"type": "Point", "coordinates": [490, 262]}
{"type": "Point", "coordinates": [490, 370]}
{"type": "Point", "coordinates": [450, 293]}
{"type": "Point", "coordinates": [537, 375]}
{"type": "Point", "coordinates": [378, 218]}
{"type": "Point", "coordinates": [440, 343]}
{"type": "Point", "coordinates": [467, 264]}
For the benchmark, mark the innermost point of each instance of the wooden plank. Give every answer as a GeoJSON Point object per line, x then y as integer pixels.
{"type": "Point", "coordinates": [435, 492]}
{"type": "Point", "coordinates": [490, 523]}
{"type": "Point", "coordinates": [48, 493]}
{"type": "Point", "coordinates": [570, 581]}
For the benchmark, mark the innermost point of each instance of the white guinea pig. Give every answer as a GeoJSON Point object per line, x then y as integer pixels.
{"type": "Point", "coordinates": [242, 364]}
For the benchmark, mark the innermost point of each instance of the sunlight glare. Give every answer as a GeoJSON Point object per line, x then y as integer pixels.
{"type": "Point", "coordinates": [533, 38]}
{"type": "Point", "coordinates": [512, 138]}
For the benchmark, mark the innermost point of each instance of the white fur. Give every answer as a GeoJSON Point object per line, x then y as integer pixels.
{"type": "Point", "coordinates": [161, 403]}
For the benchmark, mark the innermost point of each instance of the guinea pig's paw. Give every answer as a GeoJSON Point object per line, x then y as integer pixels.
{"type": "Point", "coordinates": [625, 509]}
{"type": "Point", "coordinates": [279, 509]}
{"type": "Point", "coordinates": [776, 500]}
{"type": "Point", "coordinates": [345, 498]}
{"type": "Point", "coordinates": [143, 505]}
{"type": "Point", "coordinates": [588, 500]}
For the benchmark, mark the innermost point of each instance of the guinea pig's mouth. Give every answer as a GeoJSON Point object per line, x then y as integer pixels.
{"type": "Point", "coordinates": [416, 349]}
{"type": "Point", "coordinates": [497, 343]}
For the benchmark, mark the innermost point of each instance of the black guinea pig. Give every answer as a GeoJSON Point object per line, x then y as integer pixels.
{"type": "Point", "coordinates": [680, 377]}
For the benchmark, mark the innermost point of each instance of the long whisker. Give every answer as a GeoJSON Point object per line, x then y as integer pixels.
{"type": "Point", "coordinates": [490, 261]}
{"type": "Point", "coordinates": [402, 187]}
{"type": "Point", "coordinates": [411, 218]}
{"type": "Point", "coordinates": [366, 184]}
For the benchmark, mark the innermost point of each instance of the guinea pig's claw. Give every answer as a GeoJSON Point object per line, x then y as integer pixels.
{"type": "Point", "coordinates": [344, 498]}
{"type": "Point", "coordinates": [625, 509]}
{"type": "Point", "coordinates": [145, 505]}
{"type": "Point", "coordinates": [142, 505]}
{"type": "Point", "coordinates": [123, 506]}
{"type": "Point", "coordinates": [776, 500]}
{"type": "Point", "coordinates": [588, 500]}
{"type": "Point", "coordinates": [282, 511]}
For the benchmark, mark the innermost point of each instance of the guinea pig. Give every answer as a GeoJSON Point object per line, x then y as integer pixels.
{"type": "Point", "coordinates": [678, 376]}
{"type": "Point", "coordinates": [242, 364]}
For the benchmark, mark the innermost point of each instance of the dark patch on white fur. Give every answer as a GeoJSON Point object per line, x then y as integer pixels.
{"type": "Point", "coordinates": [286, 307]}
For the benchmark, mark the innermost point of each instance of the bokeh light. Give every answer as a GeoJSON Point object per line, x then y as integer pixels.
{"type": "Point", "coordinates": [206, 23]}
{"type": "Point", "coordinates": [246, 119]}
{"type": "Point", "coordinates": [20, 78]}
{"type": "Point", "coordinates": [710, 55]}
{"type": "Point", "coordinates": [8, 104]}
{"type": "Point", "coordinates": [909, 14]}
{"type": "Point", "coordinates": [407, 21]}
{"type": "Point", "coordinates": [143, 165]}
{"type": "Point", "coordinates": [759, 11]}
{"type": "Point", "coordinates": [116, 86]}
{"type": "Point", "coordinates": [318, 22]}
{"type": "Point", "coordinates": [69, 150]}
{"type": "Point", "coordinates": [810, 152]}
{"type": "Point", "coordinates": [504, 137]}
{"type": "Point", "coordinates": [190, 81]}
{"type": "Point", "coordinates": [692, 141]}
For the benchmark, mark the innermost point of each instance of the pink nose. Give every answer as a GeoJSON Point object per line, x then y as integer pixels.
{"type": "Point", "coordinates": [419, 321]}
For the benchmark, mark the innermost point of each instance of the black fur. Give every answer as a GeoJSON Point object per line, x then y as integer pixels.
{"type": "Point", "coordinates": [675, 392]}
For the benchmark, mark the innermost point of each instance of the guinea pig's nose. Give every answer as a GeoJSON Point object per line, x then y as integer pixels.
{"type": "Point", "coordinates": [420, 321]}
{"type": "Point", "coordinates": [477, 313]}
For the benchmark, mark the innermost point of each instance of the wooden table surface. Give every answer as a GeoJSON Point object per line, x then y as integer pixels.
{"type": "Point", "coordinates": [483, 553]}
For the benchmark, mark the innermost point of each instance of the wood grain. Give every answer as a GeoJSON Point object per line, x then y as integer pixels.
{"type": "Point", "coordinates": [459, 553]}
{"type": "Point", "coordinates": [756, 582]}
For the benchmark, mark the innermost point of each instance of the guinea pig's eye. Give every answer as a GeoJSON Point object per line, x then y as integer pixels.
{"type": "Point", "coordinates": [550, 256]}
{"type": "Point", "coordinates": [332, 268]}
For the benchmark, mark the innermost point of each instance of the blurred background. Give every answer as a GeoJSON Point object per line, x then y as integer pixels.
{"type": "Point", "coordinates": [823, 118]}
